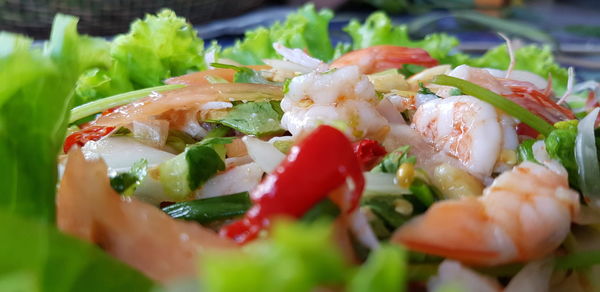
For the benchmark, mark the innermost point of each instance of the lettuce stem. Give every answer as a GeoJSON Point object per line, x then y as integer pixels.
{"type": "Point", "coordinates": [498, 101]}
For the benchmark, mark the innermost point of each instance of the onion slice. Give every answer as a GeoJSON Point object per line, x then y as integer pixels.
{"type": "Point", "coordinates": [586, 156]}
{"type": "Point", "coordinates": [383, 183]}
{"type": "Point", "coordinates": [263, 153]}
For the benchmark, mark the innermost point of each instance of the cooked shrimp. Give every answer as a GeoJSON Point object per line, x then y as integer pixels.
{"type": "Point", "coordinates": [187, 98]}
{"type": "Point", "coordinates": [342, 97]}
{"type": "Point", "coordinates": [137, 233]}
{"type": "Point", "coordinates": [525, 214]}
{"type": "Point", "coordinates": [468, 129]}
{"type": "Point", "coordinates": [379, 58]}
{"type": "Point", "coordinates": [521, 91]}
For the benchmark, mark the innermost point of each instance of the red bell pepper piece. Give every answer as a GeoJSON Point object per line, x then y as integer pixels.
{"type": "Point", "coordinates": [93, 133]}
{"type": "Point", "coordinates": [368, 152]}
{"type": "Point", "coordinates": [322, 162]}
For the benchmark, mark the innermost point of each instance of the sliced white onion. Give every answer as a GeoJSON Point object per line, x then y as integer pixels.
{"type": "Point", "coordinates": [299, 57]}
{"type": "Point", "coordinates": [264, 153]}
{"type": "Point", "coordinates": [452, 274]}
{"type": "Point", "coordinates": [428, 74]}
{"type": "Point", "coordinates": [120, 153]}
{"type": "Point", "coordinates": [151, 132]}
{"type": "Point", "coordinates": [287, 66]}
{"type": "Point", "coordinates": [533, 277]}
{"type": "Point", "coordinates": [360, 227]}
{"type": "Point", "coordinates": [241, 178]}
{"type": "Point", "coordinates": [388, 110]}
{"type": "Point", "coordinates": [383, 183]}
{"type": "Point", "coordinates": [587, 157]}
{"type": "Point", "coordinates": [541, 155]}
{"type": "Point", "coordinates": [216, 105]}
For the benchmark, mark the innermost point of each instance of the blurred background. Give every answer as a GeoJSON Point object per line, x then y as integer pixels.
{"type": "Point", "coordinates": [571, 27]}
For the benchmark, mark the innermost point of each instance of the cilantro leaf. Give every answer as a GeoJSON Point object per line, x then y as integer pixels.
{"type": "Point", "coordinates": [394, 159]}
{"type": "Point", "coordinates": [125, 183]}
{"type": "Point", "coordinates": [254, 118]}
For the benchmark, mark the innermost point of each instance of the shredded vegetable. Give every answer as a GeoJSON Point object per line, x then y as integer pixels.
{"type": "Point", "coordinates": [586, 155]}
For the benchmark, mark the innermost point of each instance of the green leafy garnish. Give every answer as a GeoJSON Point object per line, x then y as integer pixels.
{"type": "Point", "coordinates": [301, 257]}
{"type": "Point", "coordinates": [125, 183]}
{"type": "Point", "coordinates": [424, 195]}
{"type": "Point", "coordinates": [326, 209]}
{"type": "Point", "coordinates": [254, 118]}
{"type": "Point", "coordinates": [578, 260]}
{"type": "Point", "coordinates": [525, 150]}
{"type": "Point", "coordinates": [52, 261]}
{"type": "Point", "coordinates": [498, 101]}
{"type": "Point", "coordinates": [211, 209]}
{"type": "Point", "coordinates": [384, 207]}
{"type": "Point", "coordinates": [392, 161]}
{"type": "Point", "coordinates": [204, 163]}
{"type": "Point", "coordinates": [385, 270]}
{"type": "Point", "coordinates": [424, 90]}
{"type": "Point", "coordinates": [35, 93]}
{"type": "Point", "coordinates": [189, 170]}
{"type": "Point", "coordinates": [560, 145]}
{"type": "Point", "coordinates": [244, 74]}
{"type": "Point", "coordinates": [158, 47]}
{"type": "Point", "coordinates": [305, 29]}
{"type": "Point", "coordinates": [410, 69]}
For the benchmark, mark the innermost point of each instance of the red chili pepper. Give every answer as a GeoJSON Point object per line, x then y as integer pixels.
{"type": "Point", "coordinates": [322, 162]}
{"type": "Point", "coordinates": [368, 152]}
{"type": "Point", "coordinates": [81, 137]}
{"type": "Point", "coordinates": [525, 130]}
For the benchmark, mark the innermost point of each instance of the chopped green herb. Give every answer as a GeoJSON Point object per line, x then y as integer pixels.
{"type": "Point", "coordinates": [125, 183]}
{"type": "Point", "coordinates": [392, 161]}
{"type": "Point", "coordinates": [254, 118]}
{"type": "Point", "coordinates": [410, 69]}
{"type": "Point", "coordinates": [211, 209]}
{"type": "Point", "coordinates": [525, 150]}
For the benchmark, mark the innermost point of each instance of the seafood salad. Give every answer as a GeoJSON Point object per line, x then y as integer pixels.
{"type": "Point", "coordinates": [284, 163]}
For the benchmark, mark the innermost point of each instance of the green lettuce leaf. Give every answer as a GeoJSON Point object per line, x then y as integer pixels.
{"type": "Point", "coordinates": [385, 270]}
{"type": "Point", "coordinates": [35, 93]}
{"type": "Point", "coordinates": [305, 29]}
{"type": "Point", "coordinates": [378, 29]}
{"type": "Point", "coordinates": [560, 145]}
{"type": "Point", "coordinates": [301, 257]}
{"type": "Point", "coordinates": [297, 258]}
{"type": "Point", "coordinates": [36, 255]}
{"type": "Point", "coordinates": [156, 48]}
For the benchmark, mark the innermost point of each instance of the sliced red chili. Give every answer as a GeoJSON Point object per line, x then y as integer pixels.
{"type": "Point", "coordinates": [368, 152]}
{"type": "Point", "coordinates": [79, 138]}
{"type": "Point", "coordinates": [321, 163]}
